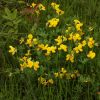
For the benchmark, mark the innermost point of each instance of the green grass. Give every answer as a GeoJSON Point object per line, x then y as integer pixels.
{"type": "Point", "coordinates": [23, 86]}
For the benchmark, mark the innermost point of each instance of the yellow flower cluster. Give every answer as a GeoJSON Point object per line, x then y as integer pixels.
{"type": "Point", "coordinates": [40, 6]}
{"type": "Point", "coordinates": [12, 50]}
{"type": "Point", "coordinates": [52, 22]}
{"type": "Point", "coordinates": [31, 41]}
{"type": "Point", "coordinates": [43, 81]}
{"type": "Point", "coordinates": [78, 48]}
{"type": "Point", "coordinates": [63, 73]}
{"type": "Point", "coordinates": [63, 47]}
{"type": "Point", "coordinates": [48, 49]}
{"type": "Point", "coordinates": [57, 9]}
{"type": "Point", "coordinates": [74, 36]}
{"type": "Point", "coordinates": [37, 7]}
{"type": "Point", "coordinates": [28, 63]}
{"type": "Point", "coordinates": [70, 36]}
{"type": "Point", "coordinates": [68, 29]}
{"type": "Point", "coordinates": [78, 25]}
{"type": "Point", "coordinates": [60, 39]}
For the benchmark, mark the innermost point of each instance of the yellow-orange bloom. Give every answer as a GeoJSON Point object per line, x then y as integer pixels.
{"type": "Point", "coordinates": [91, 42]}
{"type": "Point", "coordinates": [91, 54]}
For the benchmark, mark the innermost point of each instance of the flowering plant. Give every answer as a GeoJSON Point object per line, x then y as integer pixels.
{"type": "Point", "coordinates": [57, 55]}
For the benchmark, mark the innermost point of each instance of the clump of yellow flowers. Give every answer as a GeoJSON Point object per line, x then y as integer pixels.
{"type": "Point", "coordinates": [52, 22]}
{"type": "Point", "coordinates": [63, 73]}
{"type": "Point", "coordinates": [49, 54]}
{"type": "Point", "coordinates": [43, 81]}
{"type": "Point", "coordinates": [37, 7]}
{"type": "Point", "coordinates": [57, 9]}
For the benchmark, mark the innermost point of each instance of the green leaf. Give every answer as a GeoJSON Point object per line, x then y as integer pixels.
{"type": "Point", "coordinates": [8, 12]}
{"type": "Point", "coordinates": [14, 14]}
{"type": "Point", "coordinates": [41, 70]}
{"type": "Point", "coordinates": [6, 17]}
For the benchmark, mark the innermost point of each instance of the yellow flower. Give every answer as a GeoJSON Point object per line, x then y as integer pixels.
{"type": "Point", "coordinates": [91, 42]}
{"type": "Point", "coordinates": [23, 58]}
{"type": "Point", "coordinates": [30, 36]}
{"type": "Point", "coordinates": [56, 74]}
{"type": "Point", "coordinates": [73, 76]}
{"type": "Point", "coordinates": [22, 66]}
{"type": "Point", "coordinates": [70, 57]}
{"type": "Point", "coordinates": [29, 42]}
{"type": "Point", "coordinates": [42, 80]}
{"type": "Point", "coordinates": [50, 81]}
{"type": "Point", "coordinates": [12, 50]}
{"type": "Point", "coordinates": [68, 29]}
{"type": "Point", "coordinates": [83, 43]}
{"type": "Point", "coordinates": [78, 25]}
{"type": "Point", "coordinates": [70, 36]}
{"type": "Point", "coordinates": [91, 54]}
{"type": "Point", "coordinates": [61, 75]}
{"type": "Point", "coordinates": [36, 65]}
{"type": "Point", "coordinates": [59, 40]}
{"type": "Point", "coordinates": [21, 40]}
{"type": "Point", "coordinates": [63, 70]}
{"type": "Point", "coordinates": [41, 7]}
{"type": "Point", "coordinates": [59, 12]}
{"type": "Point", "coordinates": [90, 28]}
{"type": "Point", "coordinates": [78, 48]}
{"type": "Point", "coordinates": [76, 21]}
{"type": "Point", "coordinates": [35, 41]}
{"type": "Point", "coordinates": [54, 5]}
{"type": "Point", "coordinates": [28, 53]}
{"type": "Point", "coordinates": [51, 49]}
{"type": "Point", "coordinates": [33, 4]}
{"type": "Point", "coordinates": [45, 47]}
{"type": "Point", "coordinates": [76, 37]}
{"type": "Point", "coordinates": [64, 38]}
{"type": "Point", "coordinates": [52, 22]}
{"type": "Point", "coordinates": [63, 47]}
{"type": "Point", "coordinates": [40, 46]}
{"type": "Point", "coordinates": [29, 63]}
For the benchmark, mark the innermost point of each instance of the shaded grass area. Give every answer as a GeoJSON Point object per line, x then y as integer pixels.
{"type": "Point", "coordinates": [24, 89]}
{"type": "Point", "coordinates": [23, 86]}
